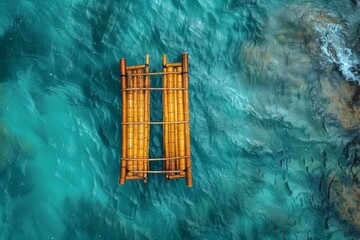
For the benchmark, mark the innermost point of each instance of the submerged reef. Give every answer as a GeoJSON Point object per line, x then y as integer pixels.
{"type": "Point", "coordinates": [14, 154]}
{"type": "Point", "coordinates": [295, 58]}
{"type": "Point", "coordinates": [342, 101]}
{"type": "Point", "coordinates": [12, 148]}
{"type": "Point", "coordinates": [344, 186]}
{"type": "Point", "coordinates": [346, 198]}
{"type": "Point", "coordinates": [6, 150]}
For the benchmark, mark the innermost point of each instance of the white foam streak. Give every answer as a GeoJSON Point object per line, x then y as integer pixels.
{"type": "Point", "coordinates": [334, 50]}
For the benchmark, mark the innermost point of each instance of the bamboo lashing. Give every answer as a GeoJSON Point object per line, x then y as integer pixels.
{"type": "Point", "coordinates": [154, 159]}
{"type": "Point", "coordinates": [139, 88]}
{"type": "Point", "coordinates": [153, 123]}
{"type": "Point", "coordinates": [135, 126]}
{"type": "Point", "coordinates": [151, 73]}
{"type": "Point", "coordinates": [170, 171]}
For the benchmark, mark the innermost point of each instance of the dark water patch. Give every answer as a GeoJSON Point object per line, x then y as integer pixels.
{"type": "Point", "coordinates": [213, 220]}
{"type": "Point", "coordinates": [355, 100]}
{"type": "Point", "coordinates": [234, 44]}
{"type": "Point", "coordinates": [253, 28]}
{"type": "Point", "coordinates": [15, 176]}
{"type": "Point", "coordinates": [179, 4]}
{"type": "Point", "coordinates": [101, 94]}
{"type": "Point", "coordinates": [351, 153]}
{"type": "Point", "coordinates": [20, 45]}
{"type": "Point", "coordinates": [14, 173]}
{"type": "Point", "coordinates": [12, 148]}
{"type": "Point", "coordinates": [355, 40]}
{"type": "Point", "coordinates": [241, 4]}
{"type": "Point", "coordinates": [278, 226]}
{"type": "Point", "coordinates": [88, 219]}
{"type": "Point", "coordinates": [22, 38]}
{"type": "Point", "coordinates": [99, 15]}
{"type": "Point", "coordinates": [7, 152]}
{"type": "Point", "coordinates": [103, 137]}
{"type": "Point", "coordinates": [16, 180]}
{"type": "Point", "coordinates": [186, 229]}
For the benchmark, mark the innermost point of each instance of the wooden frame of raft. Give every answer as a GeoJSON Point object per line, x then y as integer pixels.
{"type": "Point", "coordinates": [135, 95]}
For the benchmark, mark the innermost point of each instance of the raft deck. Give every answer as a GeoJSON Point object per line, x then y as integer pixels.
{"type": "Point", "coordinates": [135, 94]}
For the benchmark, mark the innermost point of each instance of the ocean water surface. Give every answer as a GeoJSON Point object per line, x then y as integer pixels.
{"type": "Point", "coordinates": [275, 113]}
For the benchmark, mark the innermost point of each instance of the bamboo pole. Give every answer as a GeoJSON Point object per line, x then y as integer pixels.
{"type": "Point", "coordinates": [151, 73]}
{"type": "Point", "coordinates": [136, 67]}
{"type": "Point", "coordinates": [136, 119]}
{"type": "Point", "coordinates": [130, 128]}
{"type": "Point", "coordinates": [181, 131]}
{"type": "Point", "coordinates": [171, 109]}
{"type": "Point", "coordinates": [179, 175]}
{"type": "Point", "coordinates": [141, 128]}
{"type": "Point", "coordinates": [174, 64]}
{"type": "Point", "coordinates": [176, 126]}
{"type": "Point", "coordinates": [147, 115]}
{"type": "Point", "coordinates": [165, 118]}
{"type": "Point", "coordinates": [185, 78]}
{"type": "Point", "coordinates": [134, 177]}
{"type": "Point", "coordinates": [123, 127]}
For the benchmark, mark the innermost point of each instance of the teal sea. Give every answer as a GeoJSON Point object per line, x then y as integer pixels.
{"type": "Point", "coordinates": [274, 107]}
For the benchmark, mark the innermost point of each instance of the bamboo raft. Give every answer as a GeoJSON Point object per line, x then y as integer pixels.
{"type": "Point", "coordinates": [135, 95]}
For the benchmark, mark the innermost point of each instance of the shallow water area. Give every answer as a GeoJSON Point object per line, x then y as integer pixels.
{"type": "Point", "coordinates": [274, 119]}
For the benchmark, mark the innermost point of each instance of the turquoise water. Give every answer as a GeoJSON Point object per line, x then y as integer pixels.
{"type": "Point", "coordinates": [274, 119]}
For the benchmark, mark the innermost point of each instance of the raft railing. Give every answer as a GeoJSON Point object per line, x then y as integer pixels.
{"type": "Point", "coordinates": [135, 94]}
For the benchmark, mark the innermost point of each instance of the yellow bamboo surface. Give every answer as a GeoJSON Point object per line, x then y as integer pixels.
{"type": "Point", "coordinates": [136, 120]}
{"type": "Point", "coordinates": [175, 64]}
{"type": "Point", "coordinates": [181, 127]}
{"type": "Point", "coordinates": [141, 118]}
{"type": "Point", "coordinates": [171, 112]}
{"type": "Point", "coordinates": [165, 119]}
{"type": "Point", "coordinates": [176, 126]}
{"type": "Point", "coordinates": [130, 128]}
{"type": "Point", "coordinates": [136, 110]}
{"type": "Point", "coordinates": [135, 67]}
{"type": "Point", "coordinates": [174, 111]}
